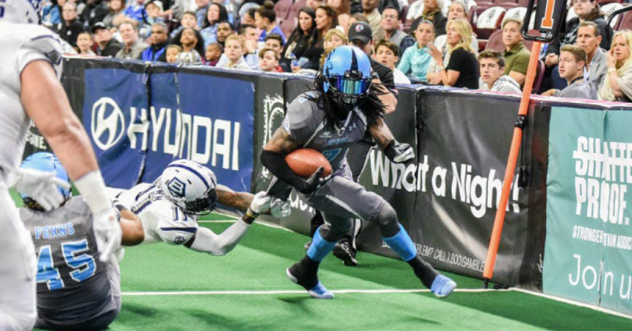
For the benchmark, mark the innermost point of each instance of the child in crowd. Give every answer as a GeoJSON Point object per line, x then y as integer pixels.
{"type": "Point", "coordinates": [189, 20]}
{"type": "Point", "coordinates": [234, 50]}
{"type": "Point", "coordinates": [213, 52]}
{"type": "Point", "coordinates": [84, 44]}
{"type": "Point", "coordinates": [269, 60]}
{"type": "Point", "coordinates": [333, 38]}
{"type": "Point", "coordinates": [172, 53]}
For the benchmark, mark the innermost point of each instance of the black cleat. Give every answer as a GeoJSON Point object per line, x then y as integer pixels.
{"type": "Point", "coordinates": [345, 252]}
{"type": "Point", "coordinates": [308, 280]}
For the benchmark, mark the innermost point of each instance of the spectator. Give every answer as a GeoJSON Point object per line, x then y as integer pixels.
{"type": "Point", "coordinates": [172, 53]}
{"type": "Point", "coordinates": [390, 25]}
{"type": "Point", "coordinates": [159, 40]}
{"type": "Point", "coordinates": [297, 44]}
{"type": "Point", "coordinates": [71, 27]}
{"type": "Point", "coordinates": [216, 13]}
{"type": "Point", "coordinates": [333, 39]}
{"type": "Point", "coordinates": [136, 11]}
{"type": "Point", "coordinates": [516, 54]}
{"type": "Point", "coordinates": [343, 12]}
{"type": "Point", "coordinates": [416, 59]}
{"type": "Point", "coordinates": [133, 47]}
{"type": "Point", "coordinates": [249, 17]}
{"type": "Point", "coordinates": [571, 66]}
{"type": "Point", "coordinates": [234, 51]}
{"type": "Point", "coordinates": [107, 46]}
{"type": "Point", "coordinates": [230, 9]}
{"type": "Point", "coordinates": [432, 12]}
{"type": "Point", "coordinates": [386, 53]}
{"type": "Point", "coordinates": [84, 44]}
{"type": "Point", "coordinates": [116, 9]}
{"type": "Point", "coordinates": [370, 11]}
{"type": "Point", "coordinates": [287, 13]}
{"type": "Point", "coordinates": [462, 70]}
{"type": "Point", "coordinates": [492, 67]}
{"type": "Point", "coordinates": [325, 20]}
{"type": "Point", "coordinates": [95, 11]}
{"type": "Point", "coordinates": [589, 38]}
{"type": "Point", "coordinates": [201, 11]}
{"type": "Point", "coordinates": [189, 20]}
{"type": "Point", "coordinates": [51, 13]}
{"type": "Point", "coordinates": [274, 42]}
{"type": "Point", "coordinates": [617, 85]}
{"type": "Point", "coordinates": [457, 10]}
{"type": "Point", "coordinates": [250, 51]}
{"type": "Point", "coordinates": [213, 53]}
{"type": "Point", "coordinates": [153, 9]}
{"type": "Point", "coordinates": [265, 20]}
{"type": "Point", "coordinates": [192, 46]}
{"type": "Point", "coordinates": [224, 29]}
{"type": "Point", "coordinates": [269, 60]}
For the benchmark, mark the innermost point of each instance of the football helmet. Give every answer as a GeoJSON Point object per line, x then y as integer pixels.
{"type": "Point", "coordinates": [189, 185]}
{"type": "Point", "coordinates": [21, 11]}
{"type": "Point", "coordinates": [47, 162]}
{"type": "Point", "coordinates": [347, 74]}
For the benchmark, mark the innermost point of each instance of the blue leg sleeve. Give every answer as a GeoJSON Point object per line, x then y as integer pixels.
{"type": "Point", "coordinates": [402, 244]}
{"type": "Point", "coordinates": [320, 247]}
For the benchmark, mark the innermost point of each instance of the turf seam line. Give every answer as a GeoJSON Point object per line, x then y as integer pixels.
{"type": "Point", "coordinates": [345, 291]}
{"type": "Point", "coordinates": [574, 303]}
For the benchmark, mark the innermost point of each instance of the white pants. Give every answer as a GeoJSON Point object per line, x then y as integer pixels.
{"type": "Point", "coordinates": [17, 269]}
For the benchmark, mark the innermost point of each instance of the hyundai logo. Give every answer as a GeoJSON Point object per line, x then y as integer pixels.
{"type": "Point", "coordinates": [108, 123]}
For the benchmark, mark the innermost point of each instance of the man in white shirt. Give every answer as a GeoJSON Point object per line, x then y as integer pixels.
{"type": "Point", "coordinates": [491, 68]}
{"type": "Point", "coordinates": [386, 53]}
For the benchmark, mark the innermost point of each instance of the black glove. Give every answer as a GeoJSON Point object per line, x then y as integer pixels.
{"type": "Point", "coordinates": [310, 184]}
{"type": "Point", "coordinates": [398, 152]}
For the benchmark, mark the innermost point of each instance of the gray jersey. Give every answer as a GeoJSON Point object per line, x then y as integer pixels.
{"type": "Point", "coordinates": [306, 123]}
{"type": "Point", "coordinates": [72, 283]}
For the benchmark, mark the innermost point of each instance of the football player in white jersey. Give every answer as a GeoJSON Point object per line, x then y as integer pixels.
{"type": "Point", "coordinates": [30, 64]}
{"type": "Point", "coordinates": [170, 206]}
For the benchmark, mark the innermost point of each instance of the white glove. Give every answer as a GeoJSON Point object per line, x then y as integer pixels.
{"type": "Point", "coordinates": [107, 232]}
{"type": "Point", "coordinates": [260, 203]}
{"type": "Point", "coordinates": [280, 208]}
{"type": "Point", "coordinates": [43, 187]}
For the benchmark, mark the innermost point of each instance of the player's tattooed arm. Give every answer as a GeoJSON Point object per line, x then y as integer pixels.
{"type": "Point", "coordinates": [381, 133]}
{"type": "Point", "coordinates": [238, 200]}
{"type": "Point", "coordinates": [281, 142]}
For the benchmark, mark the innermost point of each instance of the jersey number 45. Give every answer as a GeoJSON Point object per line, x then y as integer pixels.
{"type": "Point", "coordinates": [83, 265]}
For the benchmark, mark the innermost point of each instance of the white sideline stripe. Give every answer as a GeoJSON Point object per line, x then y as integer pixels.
{"type": "Point", "coordinates": [376, 291]}
{"type": "Point", "coordinates": [573, 303]}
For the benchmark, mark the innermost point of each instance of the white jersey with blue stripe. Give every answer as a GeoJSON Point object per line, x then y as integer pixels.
{"type": "Point", "coordinates": [162, 219]}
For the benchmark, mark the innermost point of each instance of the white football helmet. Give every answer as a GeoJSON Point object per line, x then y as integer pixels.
{"type": "Point", "coordinates": [20, 11]}
{"type": "Point", "coordinates": [190, 185]}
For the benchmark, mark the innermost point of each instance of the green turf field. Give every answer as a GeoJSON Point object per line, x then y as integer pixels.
{"type": "Point", "coordinates": [171, 288]}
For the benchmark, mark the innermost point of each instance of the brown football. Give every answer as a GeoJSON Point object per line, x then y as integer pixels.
{"type": "Point", "coordinates": [305, 161]}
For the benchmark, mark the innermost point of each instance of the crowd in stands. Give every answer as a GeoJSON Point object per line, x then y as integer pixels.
{"type": "Point", "coordinates": [420, 41]}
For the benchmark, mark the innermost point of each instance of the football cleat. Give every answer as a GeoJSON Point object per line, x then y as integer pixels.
{"type": "Point", "coordinates": [442, 286]}
{"type": "Point", "coordinates": [345, 252]}
{"type": "Point", "coordinates": [298, 275]}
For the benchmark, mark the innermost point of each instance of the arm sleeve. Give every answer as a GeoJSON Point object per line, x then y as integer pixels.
{"type": "Point", "coordinates": [301, 121]}
{"type": "Point", "coordinates": [209, 242]}
{"type": "Point", "coordinates": [40, 45]}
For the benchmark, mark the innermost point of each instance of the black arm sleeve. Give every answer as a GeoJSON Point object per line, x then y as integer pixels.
{"type": "Point", "coordinates": [275, 162]}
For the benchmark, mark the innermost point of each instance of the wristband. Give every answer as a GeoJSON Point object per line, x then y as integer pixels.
{"type": "Point", "coordinates": [611, 70]}
{"type": "Point", "coordinates": [251, 213]}
{"type": "Point", "coordinates": [92, 188]}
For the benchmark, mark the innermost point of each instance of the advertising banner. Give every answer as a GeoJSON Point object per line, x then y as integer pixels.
{"type": "Point", "coordinates": [589, 236]}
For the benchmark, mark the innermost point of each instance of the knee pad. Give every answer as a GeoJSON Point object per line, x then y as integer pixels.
{"type": "Point", "coordinates": [387, 221]}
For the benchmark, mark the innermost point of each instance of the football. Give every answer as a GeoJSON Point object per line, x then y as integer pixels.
{"type": "Point", "coordinates": [305, 161]}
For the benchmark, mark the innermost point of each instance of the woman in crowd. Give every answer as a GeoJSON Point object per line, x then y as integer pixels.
{"type": "Point", "coordinates": [297, 46]}
{"type": "Point", "coordinates": [325, 20]}
{"type": "Point", "coordinates": [343, 12]}
{"type": "Point", "coordinates": [462, 70]}
{"type": "Point", "coordinates": [215, 14]}
{"type": "Point", "coordinates": [265, 20]}
{"type": "Point", "coordinates": [191, 42]}
{"type": "Point", "coordinates": [617, 85]}
{"type": "Point", "coordinates": [417, 58]}
{"type": "Point", "coordinates": [457, 10]}
{"type": "Point", "coordinates": [116, 9]}
{"type": "Point", "coordinates": [432, 12]}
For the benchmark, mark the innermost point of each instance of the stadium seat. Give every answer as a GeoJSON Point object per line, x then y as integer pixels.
{"type": "Point", "coordinates": [516, 12]}
{"type": "Point", "coordinates": [495, 41]}
{"type": "Point", "coordinates": [625, 21]}
{"type": "Point", "coordinates": [523, 3]}
{"type": "Point", "coordinates": [609, 9]}
{"type": "Point", "coordinates": [402, 14]}
{"type": "Point", "coordinates": [539, 77]}
{"type": "Point", "coordinates": [506, 3]}
{"type": "Point", "coordinates": [489, 21]}
{"type": "Point", "coordinates": [604, 2]}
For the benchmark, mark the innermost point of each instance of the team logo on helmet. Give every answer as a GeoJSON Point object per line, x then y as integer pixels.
{"type": "Point", "coordinates": [176, 187]}
{"type": "Point", "coordinates": [178, 240]}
